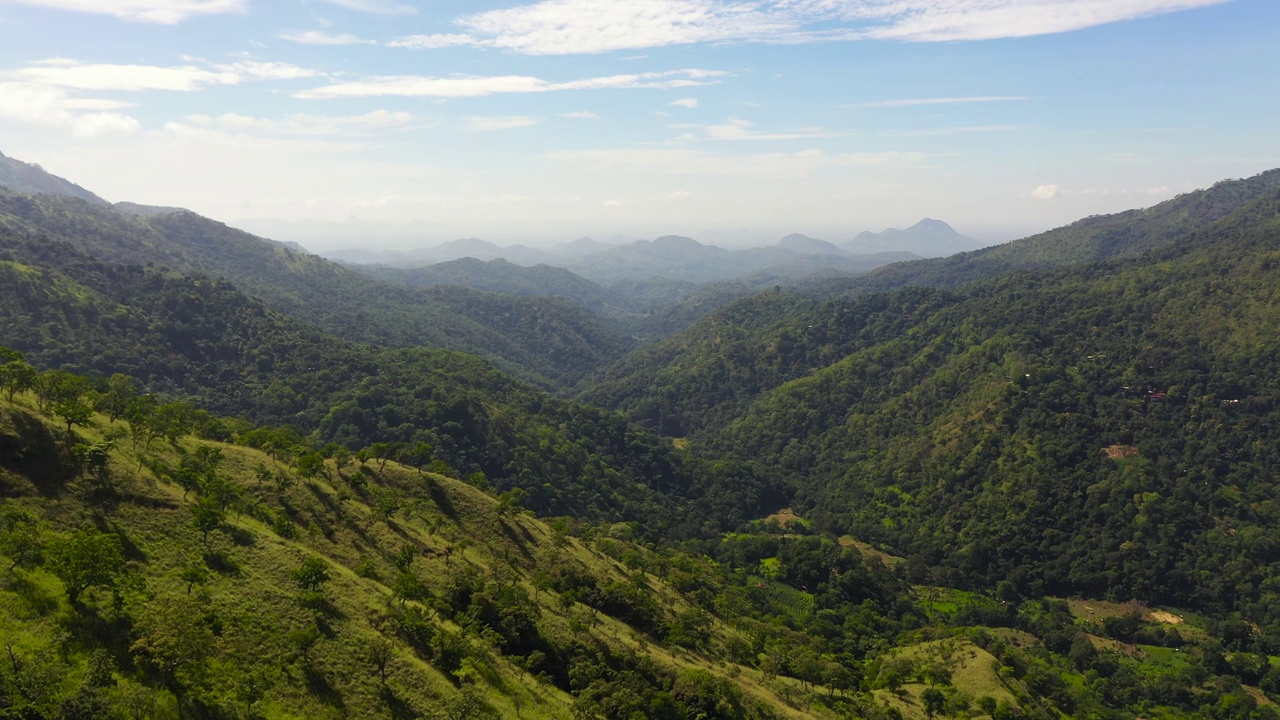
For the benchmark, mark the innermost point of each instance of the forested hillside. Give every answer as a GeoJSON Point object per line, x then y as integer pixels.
{"type": "Point", "coordinates": [1092, 239]}
{"type": "Point", "coordinates": [551, 342]}
{"type": "Point", "coordinates": [1106, 429]}
{"type": "Point", "coordinates": [1048, 493]}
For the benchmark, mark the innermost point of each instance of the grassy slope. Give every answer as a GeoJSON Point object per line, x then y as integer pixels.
{"type": "Point", "coordinates": [256, 601]}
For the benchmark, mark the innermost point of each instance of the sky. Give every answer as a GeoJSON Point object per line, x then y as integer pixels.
{"type": "Point", "coordinates": [541, 120]}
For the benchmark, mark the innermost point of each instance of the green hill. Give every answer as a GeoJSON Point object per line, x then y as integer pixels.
{"type": "Point", "coordinates": [548, 341]}
{"type": "Point", "coordinates": [1104, 430]}
{"type": "Point", "coordinates": [1092, 239]}
{"type": "Point", "coordinates": [270, 521]}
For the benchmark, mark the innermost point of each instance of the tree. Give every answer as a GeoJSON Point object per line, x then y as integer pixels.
{"type": "Point", "coordinates": [20, 539]}
{"type": "Point", "coordinates": [95, 461]}
{"type": "Point", "coordinates": [85, 559]}
{"type": "Point", "coordinates": [207, 516]}
{"type": "Point", "coordinates": [194, 575]}
{"type": "Point", "coordinates": [173, 637]}
{"type": "Point", "coordinates": [512, 501]}
{"type": "Point", "coordinates": [408, 586]}
{"type": "Point", "coordinates": [379, 653]}
{"type": "Point", "coordinates": [118, 397]}
{"type": "Point", "coordinates": [310, 465]}
{"type": "Point", "coordinates": [16, 375]}
{"type": "Point", "coordinates": [59, 386]}
{"type": "Point", "coordinates": [73, 412]}
{"type": "Point", "coordinates": [311, 574]}
{"type": "Point", "coordinates": [935, 702]}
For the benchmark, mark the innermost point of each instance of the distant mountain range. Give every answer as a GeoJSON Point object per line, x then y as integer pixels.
{"type": "Point", "coordinates": [928, 238]}
{"type": "Point", "coordinates": [542, 339]}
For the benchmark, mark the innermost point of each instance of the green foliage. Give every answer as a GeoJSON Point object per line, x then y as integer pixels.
{"type": "Point", "coordinates": [311, 574]}
{"type": "Point", "coordinates": [85, 559]}
{"type": "Point", "coordinates": [549, 341]}
{"type": "Point", "coordinates": [20, 535]}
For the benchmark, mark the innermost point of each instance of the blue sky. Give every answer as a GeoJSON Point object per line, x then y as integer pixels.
{"type": "Point", "coordinates": [550, 119]}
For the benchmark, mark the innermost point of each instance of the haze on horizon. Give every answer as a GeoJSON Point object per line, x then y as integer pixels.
{"type": "Point", "coordinates": [553, 119]}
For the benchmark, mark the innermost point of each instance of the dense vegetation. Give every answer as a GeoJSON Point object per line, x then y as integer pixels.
{"type": "Point", "coordinates": [549, 341]}
{"type": "Point", "coordinates": [202, 339]}
{"type": "Point", "coordinates": [1049, 492]}
{"type": "Point", "coordinates": [1104, 430]}
{"type": "Point", "coordinates": [156, 574]}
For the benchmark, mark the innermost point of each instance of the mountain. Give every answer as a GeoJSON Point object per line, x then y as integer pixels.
{"type": "Point", "coordinates": [1045, 494]}
{"type": "Point", "coordinates": [550, 341]}
{"type": "Point", "coordinates": [129, 208]}
{"type": "Point", "coordinates": [675, 258]}
{"type": "Point", "coordinates": [201, 339]}
{"type": "Point", "coordinates": [32, 179]}
{"type": "Point", "coordinates": [237, 578]}
{"type": "Point", "coordinates": [808, 245]}
{"type": "Point", "coordinates": [505, 277]}
{"type": "Point", "coordinates": [1061, 430]}
{"type": "Point", "coordinates": [1092, 239]}
{"type": "Point", "coordinates": [582, 246]}
{"type": "Point", "coordinates": [927, 238]}
{"type": "Point", "coordinates": [474, 248]}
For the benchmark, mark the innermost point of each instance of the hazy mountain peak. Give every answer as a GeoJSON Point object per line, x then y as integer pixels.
{"type": "Point", "coordinates": [927, 238]}
{"type": "Point", "coordinates": [808, 245]}
{"type": "Point", "coordinates": [31, 179]}
{"type": "Point", "coordinates": [677, 241]}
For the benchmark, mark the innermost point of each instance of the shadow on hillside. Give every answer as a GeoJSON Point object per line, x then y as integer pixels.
{"type": "Point", "coordinates": [397, 706]}
{"type": "Point", "coordinates": [320, 687]}
{"type": "Point", "coordinates": [29, 449]}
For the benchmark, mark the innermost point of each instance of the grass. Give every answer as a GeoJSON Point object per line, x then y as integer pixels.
{"type": "Point", "coordinates": [972, 671]}
{"type": "Point", "coordinates": [251, 598]}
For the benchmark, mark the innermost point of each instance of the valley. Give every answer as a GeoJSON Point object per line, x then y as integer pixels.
{"type": "Point", "coordinates": [1037, 480]}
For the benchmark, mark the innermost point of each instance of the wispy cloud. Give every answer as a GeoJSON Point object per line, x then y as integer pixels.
{"type": "Point", "coordinates": [563, 27]}
{"type": "Point", "coordinates": [490, 124]}
{"type": "Point", "coordinates": [433, 42]}
{"type": "Point", "coordinates": [739, 129]}
{"type": "Point", "coordinates": [468, 86]}
{"type": "Point", "coordinates": [166, 12]}
{"type": "Point", "coordinates": [915, 102]}
{"type": "Point", "coordinates": [320, 37]}
{"type": "Point", "coordinates": [677, 162]}
{"type": "Point", "coordinates": [50, 107]}
{"type": "Point", "coordinates": [580, 115]}
{"type": "Point", "coordinates": [305, 124]}
{"type": "Point", "coordinates": [1046, 192]}
{"type": "Point", "coordinates": [689, 103]}
{"type": "Point", "coordinates": [71, 74]}
{"type": "Point", "coordinates": [932, 132]}
{"type": "Point", "coordinates": [380, 7]}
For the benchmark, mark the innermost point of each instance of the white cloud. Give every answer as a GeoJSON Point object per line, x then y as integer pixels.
{"type": "Point", "coordinates": [690, 103]}
{"type": "Point", "coordinates": [490, 124]}
{"type": "Point", "coordinates": [1046, 192]}
{"type": "Point", "coordinates": [934, 132]}
{"type": "Point", "coordinates": [74, 75]}
{"type": "Point", "coordinates": [380, 7]}
{"type": "Point", "coordinates": [92, 125]}
{"type": "Point", "coordinates": [675, 162]}
{"type": "Point", "coordinates": [581, 115]}
{"type": "Point", "coordinates": [468, 86]}
{"type": "Point", "coordinates": [156, 11]}
{"type": "Point", "coordinates": [739, 129]}
{"type": "Point", "coordinates": [304, 124]}
{"type": "Point", "coordinates": [914, 102]}
{"type": "Point", "coordinates": [319, 37]}
{"type": "Point", "coordinates": [433, 42]}
{"type": "Point", "coordinates": [50, 107]}
{"type": "Point", "coordinates": [562, 27]}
